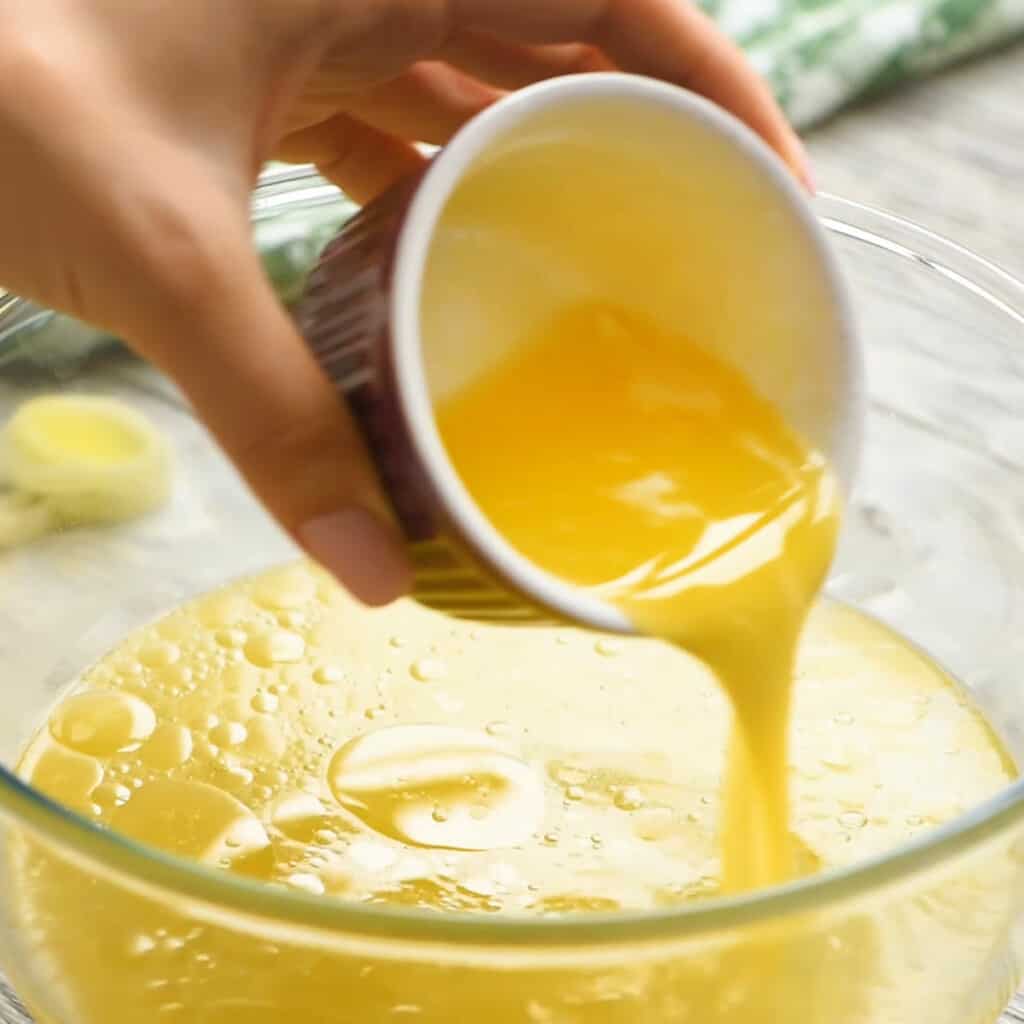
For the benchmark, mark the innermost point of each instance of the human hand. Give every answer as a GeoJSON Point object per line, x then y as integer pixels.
{"type": "Point", "coordinates": [133, 133]}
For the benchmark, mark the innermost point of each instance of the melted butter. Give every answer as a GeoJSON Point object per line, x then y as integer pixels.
{"type": "Point", "coordinates": [438, 786]}
{"type": "Point", "coordinates": [69, 777]}
{"type": "Point", "coordinates": [633, 463]}
{"type": "Point", "coordinates": [192, 819]}
{"type": "Point", "coordinates": [169, 747]}
{"type": "Point", "coordinates": [101, 722]}
{"type": "Point", "coordinates": [570, 767]}
{"type": "Point", "coordinates": [602, 768]}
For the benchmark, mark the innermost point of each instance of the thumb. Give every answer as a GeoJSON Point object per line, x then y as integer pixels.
{"type": "Point", "coordinates": [235, 353]}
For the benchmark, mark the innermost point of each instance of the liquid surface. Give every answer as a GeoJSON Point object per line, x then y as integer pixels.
{"type": "Point", "coordinates": [279, 732]}
{"type": "Point", "coordinates": [637, 465]}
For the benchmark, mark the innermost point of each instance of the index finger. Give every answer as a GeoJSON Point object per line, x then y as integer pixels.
{"type": "Point", "coordinates": [667, 39]}
{"type": "Point", "coordinates": [203, 310]}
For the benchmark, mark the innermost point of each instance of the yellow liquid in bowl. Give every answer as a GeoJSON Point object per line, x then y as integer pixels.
{"type": "Point", "coordinates": [280, 732]}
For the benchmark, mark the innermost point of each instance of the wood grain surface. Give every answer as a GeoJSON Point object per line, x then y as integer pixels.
{"type": "Point", "coordinates": [947, 153]}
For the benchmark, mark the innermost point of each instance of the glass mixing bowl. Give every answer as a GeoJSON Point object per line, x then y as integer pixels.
{"type": "Point", "coordinates": [933, 547]}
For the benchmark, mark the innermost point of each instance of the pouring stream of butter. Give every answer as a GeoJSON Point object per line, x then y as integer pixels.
{"type": "Point", "coordinates": [635, 464]}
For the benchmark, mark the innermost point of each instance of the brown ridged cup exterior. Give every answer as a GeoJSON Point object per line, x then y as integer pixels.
{"type": "Point", "coordinates": [344, 317]}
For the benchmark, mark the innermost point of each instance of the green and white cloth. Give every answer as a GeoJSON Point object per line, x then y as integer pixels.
{"type": "Point", "coordinates": [818, 56]}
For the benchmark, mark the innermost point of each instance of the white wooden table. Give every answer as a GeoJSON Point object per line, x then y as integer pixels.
{"type": "Point", "coordinates": [947, 153]}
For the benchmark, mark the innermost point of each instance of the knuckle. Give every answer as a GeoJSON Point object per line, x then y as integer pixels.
{"type": "Point", "coordinates": [183, 257]}
{"type": "Point", "coordinates": [583, 59]}
{"type": "Point", "coordinates": [319, 143]}
{"type": "Point", "coordinates": [276, 443]}
{"type": "Point", "coordinates": [178, 253]}
{"type": "Point", "coordinates": [352, 151]}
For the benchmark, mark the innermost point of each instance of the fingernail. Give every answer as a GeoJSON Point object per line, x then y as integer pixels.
{"type": "Point", "coordinates": [807, 177]}
{"type": "Point", "coordinates": [803, 165]}
{"type": "Point", "coordinates": [361, 552]}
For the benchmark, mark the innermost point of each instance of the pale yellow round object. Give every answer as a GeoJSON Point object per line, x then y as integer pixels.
{"type": "Point", "coordinates": [89, 459]}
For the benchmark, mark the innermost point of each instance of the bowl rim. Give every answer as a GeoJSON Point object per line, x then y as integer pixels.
{"type": "Point", "coordinates": [138, 866]}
